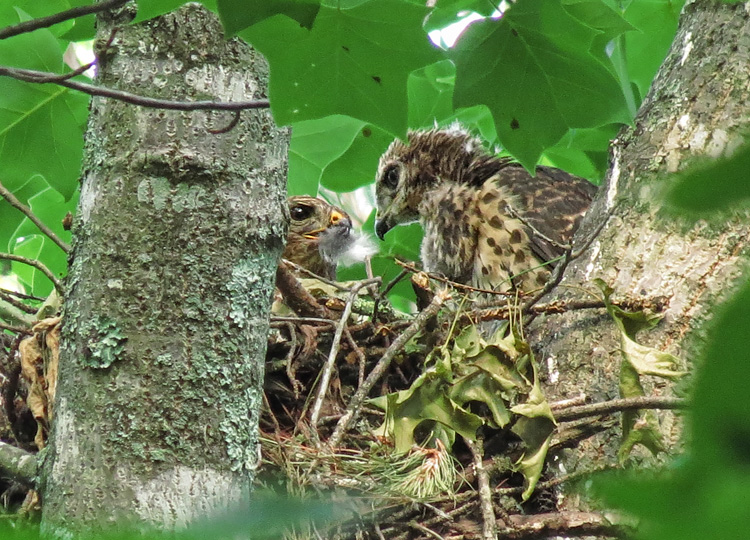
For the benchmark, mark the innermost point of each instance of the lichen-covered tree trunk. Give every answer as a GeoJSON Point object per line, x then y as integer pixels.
{"type": "Point", "coordinates": [698, 106]}
{"type": "Point", "coordinates": [177, 239]}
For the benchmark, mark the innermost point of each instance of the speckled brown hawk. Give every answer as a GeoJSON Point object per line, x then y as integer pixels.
{"type": "Point", "coordinates": [487, 222]}
{"type": "Point", "coordinates": [319, 234]}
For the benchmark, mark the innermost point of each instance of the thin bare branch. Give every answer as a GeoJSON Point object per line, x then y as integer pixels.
{"type": "Point", "coordinates": [618, 405]}
{"type": "Point", "coordinates": [17, 303]}
{"type": "Point", "coordinates": [45, 22]}
{"type": "Point", "coordinates": [325, 378]}
{"type": "Point", "coordinates": [18, 205]}
{"type": "Point", "coordinates": [39, 266]}
{"type": "Point", "coordinates": [33, 76]}
{"type": "Point", "coordinates": [489, 524]}
{"type": "Point", "coordinates": [398, 344]}
{"type": "Point", "coordinates": [15, 329]}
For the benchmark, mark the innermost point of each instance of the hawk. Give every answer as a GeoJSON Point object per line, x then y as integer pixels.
{"type": "Point", "coordinates": [487, 222]}
{"type": "Point", "coordinates": [320, 234]}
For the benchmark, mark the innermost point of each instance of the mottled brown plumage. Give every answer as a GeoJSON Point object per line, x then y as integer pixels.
{"type": "Point", "coordinates": [319, 234]}
{"type": "Point", "coordinates": [487, 221]}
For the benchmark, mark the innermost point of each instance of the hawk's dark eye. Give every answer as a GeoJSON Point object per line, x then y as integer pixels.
{"type": "Point", "coordinates": [300, 212]}
{"type": "Point", "coordinates": [390, 176]}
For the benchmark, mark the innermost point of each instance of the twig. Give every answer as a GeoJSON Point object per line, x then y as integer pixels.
{"type": "Point", "coordinates": [15, 203]}
{"type": "Point", "coordinates": [229, 127]}
{"type": "Point", "coordinates": [39, 266]}
{"type": "Point", "coordinates": [17, 303]}
{"type": "Point", "coordinates": [310, 273]}
{"type": "Point", "coordinates": [397, 346]}
{"type": "Point", "coordinates": [385, 292]}
{"type": "Point", "coordinates": [303, 320]}
{"type": "Point", "coordinates": [454, 284]}
{"type": "Point", "coordinates": [16, 329]}
{"type": "Point", "coordinates": [29, 75]}
{"type": "Point", "coordinates": [18, 464]}
{"type": "Point", "coordinates": [296, 296]}
{"type": "Point", "coordinates": [489, 525]}
{"type": "Point", "coordinates": [541, 486]}
{"type": "Point", "coordinates": [360, 356]}
{"type": "Point", "coordinates": [618, 405]}
{"type": "Point", "coordinates": [45, 22]}
{"type": "Point", "coordinates": [328, 368]}
{"type": "Point", "coordinates": [422, 528]}
{"type": "Point", "coordinates": [566, 524]}
{"type": "Point", "coordinates": [22, 295]}
{"type": "Point", "coordinates": [559, 270]}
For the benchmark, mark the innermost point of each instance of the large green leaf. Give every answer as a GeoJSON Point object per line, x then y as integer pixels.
{"type": "Point", "coordinates": [357, 166]}
{"type": "Point", "coordinates": [431, 94]}
{"type": "Point", "coordinates": [239, 14]}
{"type": "Point", "coordinates": [645, 48]}
{"type": "Point", "coordinates": [355, 61]}
{"type": "Point", "coordinates": [315, 144]}
{"type": "Point", "coordinates": [535, 70]}
{"type": "Point", "coordinates": [49, 206]}
{"type": "Point", "coordinates": [41, 125]}
{"type": "Point", "coordinates": [148, 9]}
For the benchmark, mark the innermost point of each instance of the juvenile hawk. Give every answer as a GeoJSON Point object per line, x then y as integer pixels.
{"type": "Point", "coordinates": [319, 235]}
{"type": "Point", "coordinates": [487, 222]}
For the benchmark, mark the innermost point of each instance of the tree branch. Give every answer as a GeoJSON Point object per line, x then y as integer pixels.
{"type": "Point", "coordinates": [29, 75]}
{"type": "Point", "coordinates": [618, 405]}
{"type": "Point", "coordinates": [18, 205]}
{"type": "Point", "coordinates": [19, 464]}
{"type": "Point", "coordinates": [39, 266]}
{"type": "Point", "coordinates": [568, 524]}
{"type": "Point", "coordinates": [45, 22]}
{"type": "Point", "coordinates": [397, 346]}
{"type": "Point", "coordinates": [325, 378]}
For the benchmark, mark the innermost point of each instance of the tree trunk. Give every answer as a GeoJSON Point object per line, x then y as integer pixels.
{"type": "Point", "coordinates": [698, 106]}
{"type": "Point", "coordinates": [177, 239]}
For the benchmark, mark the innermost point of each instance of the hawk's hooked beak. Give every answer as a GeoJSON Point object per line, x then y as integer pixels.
{"type": "Point", "coordinates": [382, 227]}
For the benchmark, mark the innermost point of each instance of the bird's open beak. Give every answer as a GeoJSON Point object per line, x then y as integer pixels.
{"type": "Point", "coordinates": [382, 227]}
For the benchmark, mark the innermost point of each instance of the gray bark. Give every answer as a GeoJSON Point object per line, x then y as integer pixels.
{"type": "Point", "coordinates": [698, 106]}
{"type": "Point", "coordinates": [176, 243]}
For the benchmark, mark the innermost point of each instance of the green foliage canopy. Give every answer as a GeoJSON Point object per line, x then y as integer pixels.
{"type": "Point", "coordinates": [550, 81]}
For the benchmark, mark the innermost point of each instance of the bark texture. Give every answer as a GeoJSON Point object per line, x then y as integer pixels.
{"type": "Point", "coordinates": [177, 239]}
{"type": "Point", "coordinates": [698, 106]}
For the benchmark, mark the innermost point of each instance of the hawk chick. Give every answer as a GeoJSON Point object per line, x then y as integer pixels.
{"type": "Point", "coordinates": [487, 222]}
{"type": "Point", "coordinates": [320, 236]}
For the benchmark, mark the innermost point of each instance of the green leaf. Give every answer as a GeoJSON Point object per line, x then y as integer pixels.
{"type": "Point", "coordinates": [41, 126]}
{"type": "Point", "coordinates": [356, 60]}
{"type": "Point", "coordinates": [148, 9]}
{"type": "Point", "coordinates": [315, 144]}
{"type": "Point", "coordinates": [430, 92]}
{"type": "Point", "coordinates": [447, 12]}
{"type": "Point", "coordinates": [544, 78]}
{"type": "Point", "coordinates": [535, 428]}
{"type": "Point", "coordinates": [646, 48]}
{"type": "Point", "coordinates": [356, 167]}
{"type": "Point", "coordinates": [583, 152]}
{"type": "Point", "coordinates": [238, 14]}
{"type": "Point", "coordinates": [712, 186]}
{"type": "Point", "coordinates": [49, 206]}
{"type": "Point", "coordinates": [426, 399]}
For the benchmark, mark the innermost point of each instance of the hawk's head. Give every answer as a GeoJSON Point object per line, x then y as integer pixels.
{"type": "Point", "coordinates": [408, 170]}
{"type": "Point", "coordinates": [319, 234]}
